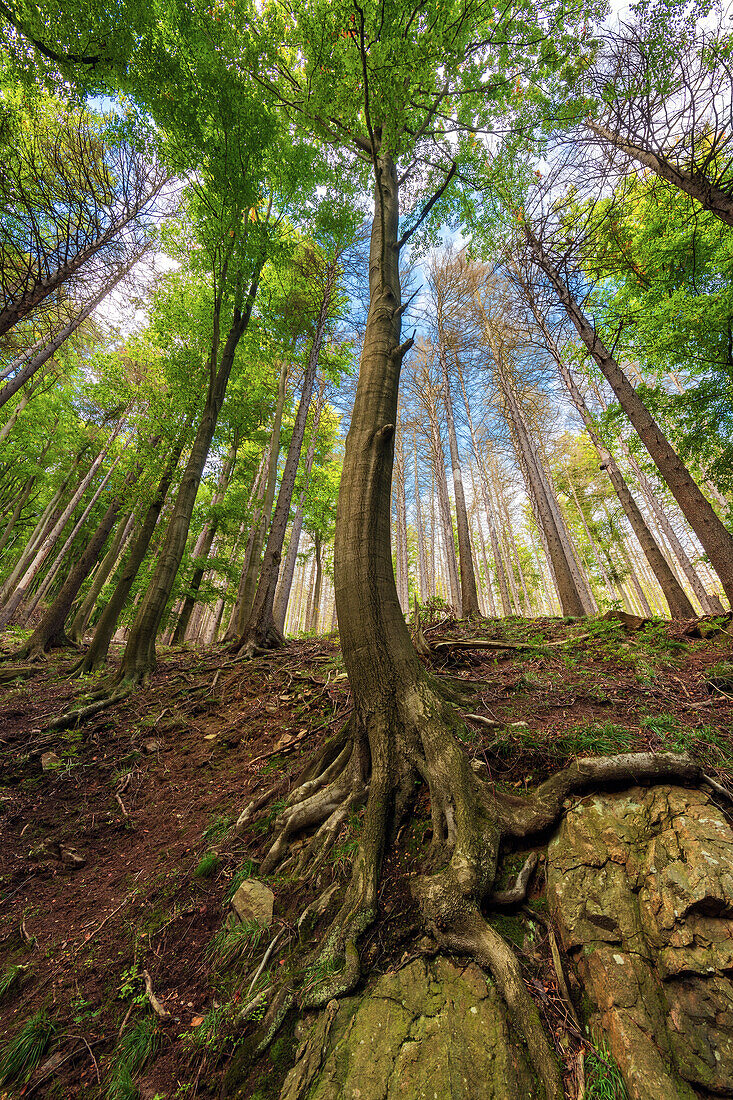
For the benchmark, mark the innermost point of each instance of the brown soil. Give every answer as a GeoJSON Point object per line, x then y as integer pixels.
{"type": "Point", "coordinates": [145, 790]}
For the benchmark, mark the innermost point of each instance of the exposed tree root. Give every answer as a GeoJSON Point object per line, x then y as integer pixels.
{"type": "Point", "coordinates": [102, 699]}
{"type": "Point", "coordinates": [378, 765]}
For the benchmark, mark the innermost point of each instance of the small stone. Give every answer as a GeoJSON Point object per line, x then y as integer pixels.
{"type": "Point", "coordinates": [253, 902]}
{"type": "Point", "coordinates": [49, 761]}
{"type": "Point", "coordinates": [152, 746]}
{"type": "Point", "coordinates": [71, 857]}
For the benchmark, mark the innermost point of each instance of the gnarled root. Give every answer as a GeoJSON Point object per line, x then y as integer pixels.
{"type": "Point", "coordinates": [97, 701]}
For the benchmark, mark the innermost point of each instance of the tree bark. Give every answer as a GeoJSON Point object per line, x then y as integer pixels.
{"type": "Point", "coordinates": [282, 592]}
{"type": "Point", "coordinates": [139, 658]}
{"type": "Point", "coordinates": [675, 596]}
{"type": "Point", "coordinates": [469, 596]}
{"type": "Point", "coordinates": [261, 630]}
{"type": "Point", "coordinates": [260, 524]}
{"type": "Point", "coordinates": [202, 549]}
{"type": "Point", "coordinates": [84, 614]}
{"type": "Point", "coordinates": [96, 655]}
{"type": "Point", "coordinates": [695, 185]}
{"type": "Point", "coordinates": [716, 540]}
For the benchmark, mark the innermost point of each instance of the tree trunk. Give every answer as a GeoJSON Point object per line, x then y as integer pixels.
{"type": "Point", "coordinates": [96, 655]}
{"type": "Point", "coordinates": [261, 630]}
{"type": "Point", "coordinates": [469, 596]}
{"type": "Point", "coordinates": [84, 614]}
{"type": "Point", "coordinates": [282, 592]}
{"type": "Point", "coordinates": [68, 544]}
{"type": "Point", "coordinates": [202, 549]}
{"type": "Point", "coordinates": [260, 524]}
{"type": "Point", "coordinates": [139, 657]}
{"type": "Point", "coordinates": [716, 540]}
{"type": "Point", "coordinates": [27, 367]}
{"type": "Point", "coordinates": [49, 540]}
{"type": "Point", "coordinates": [422, 564]}
{"type": "Point", "coordinates": [400, 524]}
{"type": "Point", "coordinates": [20, 504]}
{"type": "Point", "coordinates": [444, 511]}
{"type": "Point", "coordinates": [710, 197]}
{"type": "Point", "coordinates": [312, 624]}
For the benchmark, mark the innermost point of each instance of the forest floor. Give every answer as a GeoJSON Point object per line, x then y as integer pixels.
{"type": "Point", "coordinates": [115, 859]}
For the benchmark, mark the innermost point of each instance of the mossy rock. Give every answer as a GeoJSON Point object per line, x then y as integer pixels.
{"type": "Point", "coordinates": [431, 1031]}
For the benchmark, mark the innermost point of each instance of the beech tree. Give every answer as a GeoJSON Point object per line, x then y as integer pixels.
{"type": "Point", "coordinates": [387, 85]}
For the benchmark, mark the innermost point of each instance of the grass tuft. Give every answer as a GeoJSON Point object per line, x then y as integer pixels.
{"type": "Point", "coordinates": [22, 1054]}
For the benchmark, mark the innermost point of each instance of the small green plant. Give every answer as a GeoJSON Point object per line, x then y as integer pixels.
{"type": "Point", "coordinates": [11, 977]}
{"type": "Point", "coordinates": [130, 986]}
{"type": "Point", "coordinates": [719, 677]}
{"type": "Point", "coordinates": [208, 866]}
{"type": "Point", "coordinates": [217, 827]}
{"type": "Point", "coordinates": [22, 1054]}
{"type": "Point", "coordinates": [603, 1080]}
{"type": "Point", "coordinates": [603, 738]}
{"type": "Point", "coordinates": [135, 1047]}
{"type": "Point", "coordinates": [234, 941]}
{"type": "Point", "coordinates": [246, 871]}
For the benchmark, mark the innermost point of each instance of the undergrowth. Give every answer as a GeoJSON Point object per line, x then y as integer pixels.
{"type": "Point", "coordinates": [21, 1055]}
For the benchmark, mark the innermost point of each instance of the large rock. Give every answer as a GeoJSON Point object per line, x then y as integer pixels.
{"type": "Point", "coordinates": [253, 903]}
{"type": "Point", "coordinates": [641, 885]}
{"type": "Point", "coordinates": [430, 1031]}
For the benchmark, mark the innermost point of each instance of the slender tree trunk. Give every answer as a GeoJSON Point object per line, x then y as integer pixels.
{"type": "Point", "coordinates": [96, 655]}
{"type": "Point", "coordinates": [58, 564]}
{"type": "Point", "coordinates": [202, 549]}
{"type": "Point", "coordinates": [49, 540]}
{"type": "Point", "coordinates": [469, 596]}
{"type": "Point", "coordinates": [312, 623]}
{"type": "Point", "coordinates": [260, 524]}
{"type": "Point", "coordinates": [441, 482]}
{"type": "Point", "coordinates": [282, 592]}
{"type": "Point", "coordinates": [139, 657]}
{"type": "Point", "coordinates": [400, 525]}
{"type": "Point", "coordinates": [716, 540]}
{"type": "Point", "coordinates": [261, 629]}
{"type": "Point", "coordinates": [27, 367]}
{"type": "Point", "coordinates": [84, 614]}
{"type": "Point", "coordinates": [422, 563]}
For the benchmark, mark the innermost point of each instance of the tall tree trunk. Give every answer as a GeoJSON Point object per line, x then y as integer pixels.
{"type": "Point", "coordinates": [84, 614]}
{"type": "Point", "coordinates": [202, 549]}
{"type": "Point", "coordinates": [400, 524]}
{"type": "Point", "coordinates": [444, 511]}
{"type": "Point", "coordinates": [469, 596]}
{"type": "Point", "coordinates": [312, 623]}
{"type": "Point", "coordinates": [96, 655]}
{"type": "Point", "coordinates": [716, 540]}
{"type": "Point", "coordinates": [50, 539]}
{"type": "Point", "coordinates": [422, 563]}
{"type": "Point", "coordinates": [282, 592]}
{"type": "Point", "coordinates": [27, 367]}
{"type": "Point", "coordinates": [139, 657]}
{"type": "Point", "coordinates": [261, 629]}
{"type": "Point", "coordinates": [677, 601]}
{"type": "Point", "coordinates": [260, 524]}
{"type": "Point", "coordinates": [60, 561]}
